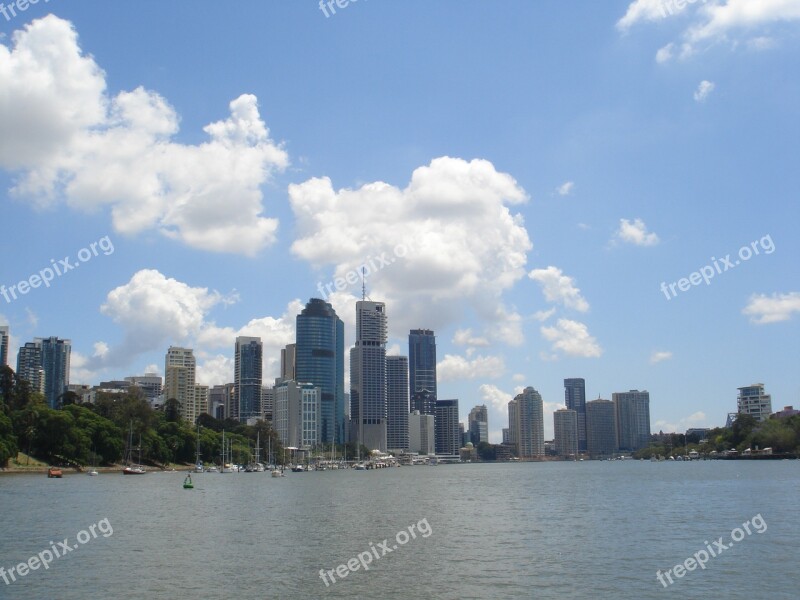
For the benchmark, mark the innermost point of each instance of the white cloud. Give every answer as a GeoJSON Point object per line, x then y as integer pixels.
{"type": "Point", "coordinates": [454, 368]}
{"type": "Point", "coordinates": [657, 357]}
{"type": "Point", "coordinates": [518, 378]}
{"type": "Point", "coordinates": [704, 90]}
{"type": "Point", "coordinates": [496, 398]}
{"type": "Point", "coordinates": [559, 288]}
{"type": "Point", "coordinates": [763, 309]}
{"type": "Point", "coordinates": [565, 189]}
{"type": "Point", "coordinates": [665, 54]}
{"type": "Point", "coordinates": [697, 419]}
{"type": "Point", "coordinates": [572, 338]}
{"type": "Point", "coordinates": [635, 232]}
{"type": "Point", "coordinates": [464, 247]}
{"type": "Point", "coordinates": [543, 315]}
{"type": "Point", "coordinates": [464, 337]}
{"type": "Point", "coordinates": [710, 22]}
{"type": "Point", "coordinates": [74, 142]}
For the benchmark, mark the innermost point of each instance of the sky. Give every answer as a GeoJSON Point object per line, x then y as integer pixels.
{"type": "Point", "coordinates": [531, 180]}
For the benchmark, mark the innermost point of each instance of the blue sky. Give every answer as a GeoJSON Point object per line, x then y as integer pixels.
{"type": "Point", "coordinates": [543, 168]}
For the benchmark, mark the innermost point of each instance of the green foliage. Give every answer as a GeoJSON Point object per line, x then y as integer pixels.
{"type": "Point", "coordinates": [8, 441]}
{"type": "Point", "coordinates": [486, 451]}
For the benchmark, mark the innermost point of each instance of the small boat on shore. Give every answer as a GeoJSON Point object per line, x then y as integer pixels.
{"type": "Point", "coordinates": [54, 472]}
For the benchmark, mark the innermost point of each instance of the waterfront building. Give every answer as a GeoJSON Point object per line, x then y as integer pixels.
{"type": "Point", "coordinates": [151, 384]}
{"type": "Point", "coordinates": [179, 381]}
{"type": "Point", "coordinates": [513, 424]}
{"type": "Point", "coordinates": [530, 423]}
{"type": "Point", "coordinates": [446, 426]}
{"type": "Point", "coordinates": [422, 370]}
{"type": "Point", "coordinates": [633, 419]}
{"type": "Point", "coordinates": [368, 409]}
{"type": "Point", "coordinates": [575, 399]}
{"type": "Point", "coordinates": [319, 359]}
{"type": "Point", "coordinates": [753, 401]}
{"type": "Point", "coordinates": [55, 363]}
{"type": "Point", "coordinates": [397, 403]}
{"type": "Point", "coordinates": [565, 427]}
{"type": "Point", "coordinates": [248, 361]}
{"type": "Point", "coordinates": [421, 433]}
{"type": "Point", "coordinates": [601, 428]}
{"type": "Point", "coordinates": [478, 422]}
{"type": "Point", "coordinates": [298, 414]}
{"type": "Point", "coordinates": [29, 366]}
{"type": "Point", "coordinates": [220, 402]}
{"type": "Point", "coordinates": [4, 335]}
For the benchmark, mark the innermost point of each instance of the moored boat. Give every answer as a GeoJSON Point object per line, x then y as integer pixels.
{"type": "Point", "coordinates": [54, 472]}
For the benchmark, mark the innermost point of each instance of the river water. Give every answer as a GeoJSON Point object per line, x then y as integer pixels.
{"type": "Point", "coordinates": [526, 530]}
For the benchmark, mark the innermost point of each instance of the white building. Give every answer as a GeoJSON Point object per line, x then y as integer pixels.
{"type": "Point", "coordinates": [179, 381]}
{"type": "Point", "coordinates": [421, 433]}
{"type": "Point", "coordinates": [752, 400]}
{"type": "Point", "coordinates": [296, 414]}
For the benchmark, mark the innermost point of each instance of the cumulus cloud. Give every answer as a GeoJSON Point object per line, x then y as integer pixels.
{"type": "Point", "coordinates": [657, 357]}
{"type": "Point", "coordinates": [763, 309]}
{"type": "Point", "coordinates": [697, 419]}
{"type": "Point", "coordinates": [462, 247]}
{"type": "Point", "coordinates": [565, 189]}
{"type": "Point", "coordinates": [572, 338]}
{"type": "Point", "coordinates": [454, 367]}
{"type": "Point", "coordinates": [703, 91]}
{"type": "Point", "coordinates": [464, 337]}
{"type": "Point", "coordinates": [635, 232]}
{"type": "Point", "coordinates": [495, 397]}
{"type": "Point", "coordinates": [559, 288]}
{"type": "Point", "coordinates": [68, 140]}
{"type": "Point", "coordinates": [710, 22]}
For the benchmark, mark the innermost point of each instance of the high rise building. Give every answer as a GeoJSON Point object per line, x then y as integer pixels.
{"type": "Point", "coordinates": [4, 345]}
{"type": "Point", "coordinates": [633, 419]}
{"type": "Point", "coordinates": [297, 414]}
{"type": "Point", "coordinates": [201, 395]}
{"type": "Point", "coordinates": [288, 358]}
{"type": "Point", "coordinates": [368, 376]}
{"type": "Point", "coordinates": [575, 399]}
{"type": "Point", "coordinates": [513, 424]}
{"type": "Point", "coordinates": [601, 428]}
{"type": "Point", "coordinates": [446, 427]}
{"type": "Point", "coordinates": [397, 403]}
{"type": "Point", "coordinates": [478, 422]}
{"type": "Point", "coordinates": [752, 400]}
{"type": "Point", "coordinates": [29, 366]}
{"type": "Point", "coordinates": [151, 384]}
{"type": "Point", "coordinates": [220, 401]}
{"type": "Point", "coordinates": [422, 370]}
{"type": "Point", "coordinates": [565, 427]}
{"type": "Point", "coordinates": [506, 435]}
{"type": "Point", "coordinates": [530, 419]}
{"type": "Point", "coordinates": [421, 433]}
{"type": "Point", "coordinates": [267, 402]}
{"type": "Point", "coordinates": [247, 377]}
{"type": "Point", "coordinates": [179, 381]}
{"type": "Point", "coordinates": [55, 362]}
{"type": "Point", "coordinates": [319, 359]}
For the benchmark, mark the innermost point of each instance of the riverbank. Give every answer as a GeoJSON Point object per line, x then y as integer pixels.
{"type": "Point", "coordinates": [24, 464]}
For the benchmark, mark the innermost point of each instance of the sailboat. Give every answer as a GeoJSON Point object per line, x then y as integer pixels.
{"type": "Point", "coordinates": [198, 467]}
{"type": "Point", "coordinates": [133, 469]}
{"type": "Point", "coordinates": [93, 472]}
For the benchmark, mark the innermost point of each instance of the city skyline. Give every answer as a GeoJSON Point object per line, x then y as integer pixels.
{"type": "Point", "coordinates": [526, 228]}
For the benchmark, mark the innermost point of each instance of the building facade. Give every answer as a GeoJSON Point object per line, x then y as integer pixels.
{"type": "Point", "coordinates": [55, 363]}
{"type": "Point", "coordinates": [575, 399]}
{"type": "Point", "coordinates": [446, 427]}
{"type": "Point", "coordinates": [298, 414]}
{"type": "Point", "coordinates": [601, 429]}
{"type": "Point", "coordinates": [633, 419]}
{"type": "Point", "coordinates": [368, 409]}
{"type": "Point", "coordinates": [478, 425]}
{"type": "Point", "coordinates": [565, 428]}
{"type": "Point", "coordinates": [248, 356]}
{"type": "Point", "coordinates": [397, 403]}
{"type": "Point", "coordinates": [530, 423]}
{"type": "Point", "coordinates": [421, 433]}
{"type": "Point", "coordinates": [29, 366]}
{"type": "Point", "coordinates": [151, 384]}
{"type": "Point", "coordinates": [4, 335]}
{"type": "Point", "coordinates": [319, 359]}
{"type": "Point", "coordinates": [179, 381]}
{"type": "Point", "coordinates": [220, 401]}
{"type": "Point", "coordinates": [422, 370]}
{"type": "Point", "coordinates": [754, 401]}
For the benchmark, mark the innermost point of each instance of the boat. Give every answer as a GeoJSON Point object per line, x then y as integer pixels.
{"type": "Point", "coordinates": [360, 467]}
{"type": "Point", "coordinates": [277, 473]}
{"type": "Point", "coordinates": [187, 483]}
{"type": "Point", "coordinates": [212, 469]}
{"type": "Point", "coordinates": [297, 469]}
{"type": "Point", "coordinates": [130, 468]}
{"type": "Point", "coordinates": [54, 472]}
{"type": "Point", "coordinates": [93, 473]}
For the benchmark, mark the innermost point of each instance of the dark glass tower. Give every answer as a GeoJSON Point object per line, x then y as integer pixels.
{"type": "Point", "coordinates": [247, 377]}
{"type": "Point", "coordinates": [422, 370]}
{"type": "Point", "coordinates": [397, 402]}
{"type": "Point", "coordinates": [575, 399]}
{"type": "Point", "coordinates": [319, 359]}
{"type": "Point", "coordinates": [55, 363]}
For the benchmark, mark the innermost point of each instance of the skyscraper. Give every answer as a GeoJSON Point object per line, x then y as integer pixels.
{"type": "Point", "coordinates": [513, 424]}
{"type": "Point", "coordinates": [55, 362]}
{"type": "Point", "coordinates": [220, 401]}
{"type": "Point", "coordinates": [422, 370]}
{"type": "Point", "coordinates": [421, 433]}
{"type": "Point", "coordinates": [368, 376]}
{"type": "Point", "coordinates": [633, 419]}
{"type": "Point", "coordinates": [29, 366]}
{"type": "Point", "coordinates": [297, 414]}
{"type": "Point", "coordinates": [575, 399]}
{"type": "Point", "coordinates": [445, 425]}
{"type": "Point", "coordinates": [753, 400]}
{"type": "Point", "coordinates": [247, 377]}
{"type": "Point", "coordinates": [530, 419]}
{"type": "Point", "coordinates": [478, 423]}
{"type": "Point", "coordinates": [601, 428]}
{"type": "Point", "coordinates": [397, 402]}
{"type": "Point", "coordinates": [179, 381]}
{"type": "Point", "coordinates": [565, 427]}
{"type": "Point", "coordinates": [3, 345]}
{"type": "Point", "coordinates": [319, 359]}
{"type": "Point", "coordinates": [288, 356]}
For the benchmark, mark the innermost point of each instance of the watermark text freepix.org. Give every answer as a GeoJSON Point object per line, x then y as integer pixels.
{"type": "Point", "coordinates": [369, 267]}
{"type": "Point", "coordinates": [718, 266]}
{"type": "Point", "coordinates": [19, 5]}
{"type": "Point", "coordinates": [364, 559]}
{"type": "Point", "coordinates": [56, 268]}
{"type": "Point", "coordinates": [701, 557]}
{"type": "Point", "coordinates": [56, 550]}
{"type": "Point", "coordinates": [326, 5]}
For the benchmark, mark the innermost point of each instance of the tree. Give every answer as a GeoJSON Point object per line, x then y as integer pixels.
{"type": "Point", "coordinates": [172, 410]}
{"type": "Point", "coordinates": [8, 441]}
